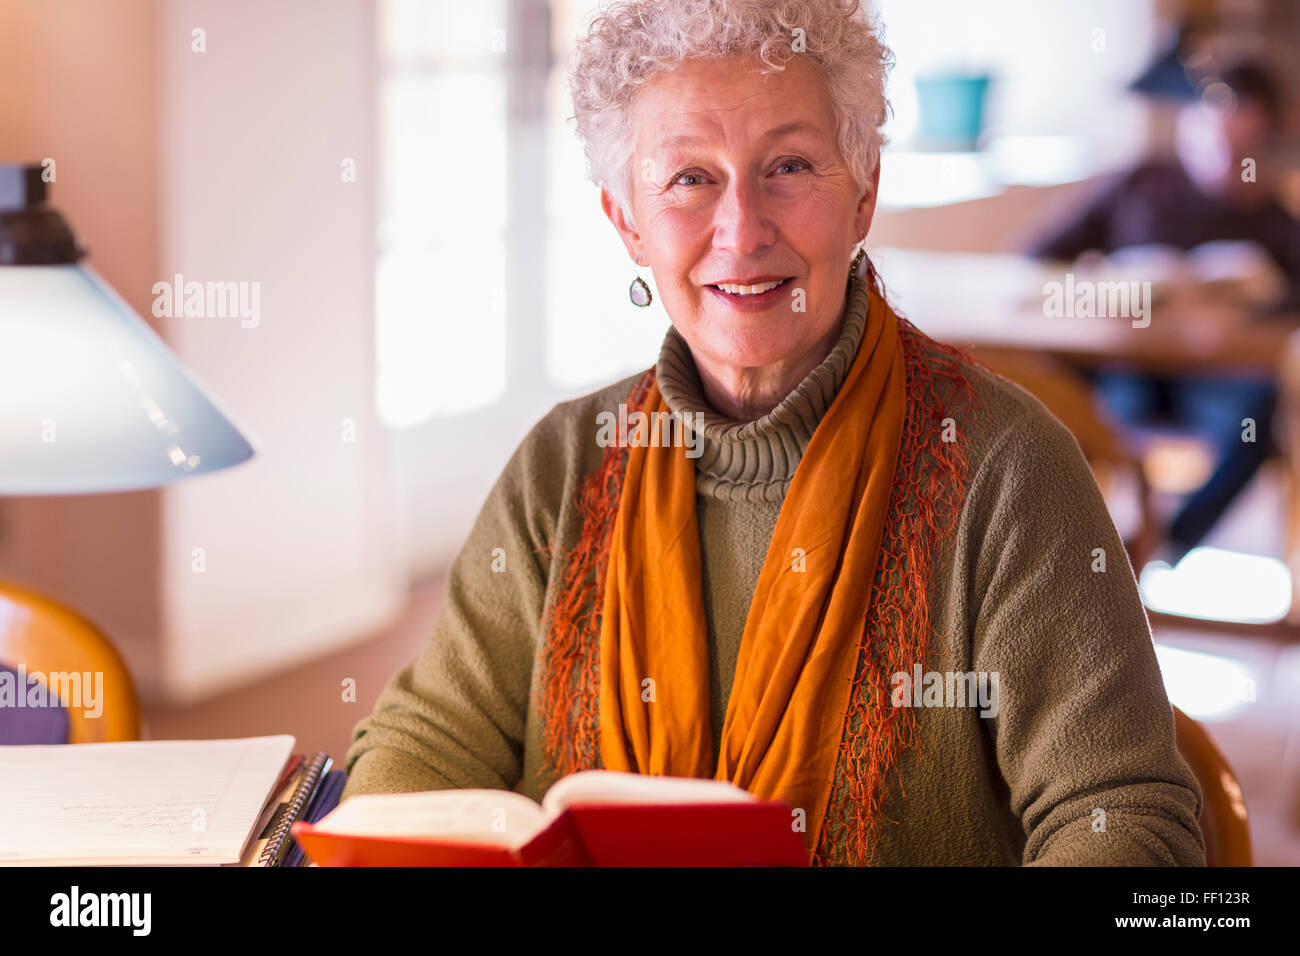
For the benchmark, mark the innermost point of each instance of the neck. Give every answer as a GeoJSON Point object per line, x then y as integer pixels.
{"type": "Point", "coordinates": [745, 394]}
{"type": "Point", "coordinates": [755, 460]}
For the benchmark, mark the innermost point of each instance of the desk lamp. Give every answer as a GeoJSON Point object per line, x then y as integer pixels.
{"type": "Point", "coordinates": [91, 401]}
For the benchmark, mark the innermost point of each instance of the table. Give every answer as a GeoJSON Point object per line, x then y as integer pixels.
{"type": "Point", "coordinates": [995, 304]}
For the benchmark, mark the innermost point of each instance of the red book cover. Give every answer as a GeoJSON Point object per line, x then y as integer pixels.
{"type": "Point", "coordinates": [616, 834]}
{"type": "Point", "coordinates": [290, 768]}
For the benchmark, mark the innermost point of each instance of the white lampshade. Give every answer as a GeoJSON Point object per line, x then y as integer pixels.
{"type": "Point", "coordinates": [91, 400]}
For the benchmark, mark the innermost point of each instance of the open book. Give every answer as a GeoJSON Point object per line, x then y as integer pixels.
{"type": "Point", "coordinates": [598, 817]}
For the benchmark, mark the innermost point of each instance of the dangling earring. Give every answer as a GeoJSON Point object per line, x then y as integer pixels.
{"type": "Point", "coordinates": [861, 265]}
{"type": "Point", "coordinates": [639, 292]}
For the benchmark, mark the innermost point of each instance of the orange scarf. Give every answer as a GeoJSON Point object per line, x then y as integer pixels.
{"type": "Point", "coordinates": [809, 718]}
{"type": "Point", "coordinates": [803, 635]}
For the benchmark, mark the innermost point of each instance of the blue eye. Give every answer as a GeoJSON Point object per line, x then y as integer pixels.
{"type": "Point", "coordinates": [681, 176]}
{"type": "Point", "coordinates": [793, 162]}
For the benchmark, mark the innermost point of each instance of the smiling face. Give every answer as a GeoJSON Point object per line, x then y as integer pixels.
{"type": "Point", "coordinates": [738, 177]}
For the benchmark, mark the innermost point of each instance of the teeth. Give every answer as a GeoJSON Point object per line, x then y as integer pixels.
{"type": "Point", "coordinates": [749, 289]}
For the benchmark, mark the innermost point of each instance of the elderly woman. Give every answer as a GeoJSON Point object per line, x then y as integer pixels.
{"type": "Point", "coordinates": [845, 521]}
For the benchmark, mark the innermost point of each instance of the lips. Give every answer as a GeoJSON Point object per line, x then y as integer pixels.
{"type": "Point", "coordinates": [746, 297]}
{"type": "Point", "coordinates": [750, 287]}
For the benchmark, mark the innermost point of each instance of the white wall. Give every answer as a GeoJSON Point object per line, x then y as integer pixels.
{"type": "Point", "coordinates": [300, 546]}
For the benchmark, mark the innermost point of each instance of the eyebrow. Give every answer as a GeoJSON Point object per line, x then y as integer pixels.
{"type": "Point", "coordinates": [798, 126]}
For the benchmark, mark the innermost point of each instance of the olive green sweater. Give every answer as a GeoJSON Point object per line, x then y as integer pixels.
{"type": "Point", "coordinates": [1077, 767]}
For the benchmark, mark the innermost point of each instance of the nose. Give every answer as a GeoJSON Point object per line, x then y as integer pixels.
{"type": "Point", "coordinates": [741, 223]}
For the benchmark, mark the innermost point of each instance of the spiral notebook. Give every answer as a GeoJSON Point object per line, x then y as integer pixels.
{"type": "Point", "coordinates": [279, 843]}
{"type": "Point", "coordinates": [325, 800]}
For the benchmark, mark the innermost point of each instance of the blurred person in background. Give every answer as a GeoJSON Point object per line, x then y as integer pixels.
{"type": "Point", "coordinates": [1202, 196]}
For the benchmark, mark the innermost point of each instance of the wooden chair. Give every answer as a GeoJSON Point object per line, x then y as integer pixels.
{"type": "Point", "coordinates": [39, 637]}
{"type": "Point", "coordinates": [1223, 807]}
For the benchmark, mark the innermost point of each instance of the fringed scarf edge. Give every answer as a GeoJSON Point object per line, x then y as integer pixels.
{"type": "Point", "coordinates": [930, 482]}
{"type": "Point", "coordinates": [570, 652]}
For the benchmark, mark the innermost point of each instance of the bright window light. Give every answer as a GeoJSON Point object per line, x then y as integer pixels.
{"type": "Point", "coordinates": [594, 334]}
{"type": "Point", "coordinates": [1218, 585]}
{"type": "Point", "coordinates": [1205, 686]}
{"type": "Point", "coordinates": [440, 296]}
{"type": "Point", "coordinates": [911, 179]}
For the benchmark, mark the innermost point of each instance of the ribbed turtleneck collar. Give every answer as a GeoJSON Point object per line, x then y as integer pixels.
{"type": "Point", "coordinates": [755, 461]}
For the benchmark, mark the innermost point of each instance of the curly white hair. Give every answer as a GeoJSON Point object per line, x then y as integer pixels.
{"type": "Point", "coordinates": [629, 42]}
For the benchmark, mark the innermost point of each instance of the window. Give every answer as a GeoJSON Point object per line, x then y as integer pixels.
{"type": "Point", "coordinates": [440, 340]}
{"type": "Point", "coordinates": [594, 334]}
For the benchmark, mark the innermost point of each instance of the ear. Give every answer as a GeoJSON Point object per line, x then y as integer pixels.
{"type": "Point", "coordinates": [867, 204]}
{"type": "Point", "coordinates": [626, 230]}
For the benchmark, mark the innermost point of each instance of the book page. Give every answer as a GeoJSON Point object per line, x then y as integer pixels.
{"type": "Point", "coordinates": [610, 786]}
{"type": "Point", "coordinates": [494, 817]}
{"type": "Point", "coordinates": [162, 801]}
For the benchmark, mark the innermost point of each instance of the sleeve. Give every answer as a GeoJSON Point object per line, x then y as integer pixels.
{"type": "Point", "coordinates": [1084, 733]}
{"type": "Point", "coordinates": [1083, 228]}
{"type": "Point", "coordinates": [455, 716]}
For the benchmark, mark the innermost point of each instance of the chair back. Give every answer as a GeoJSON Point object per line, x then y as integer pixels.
{"type": "Point", "coordinates": [1223, 807]}
{"type": "Point", "coordinates": [65, 679]}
